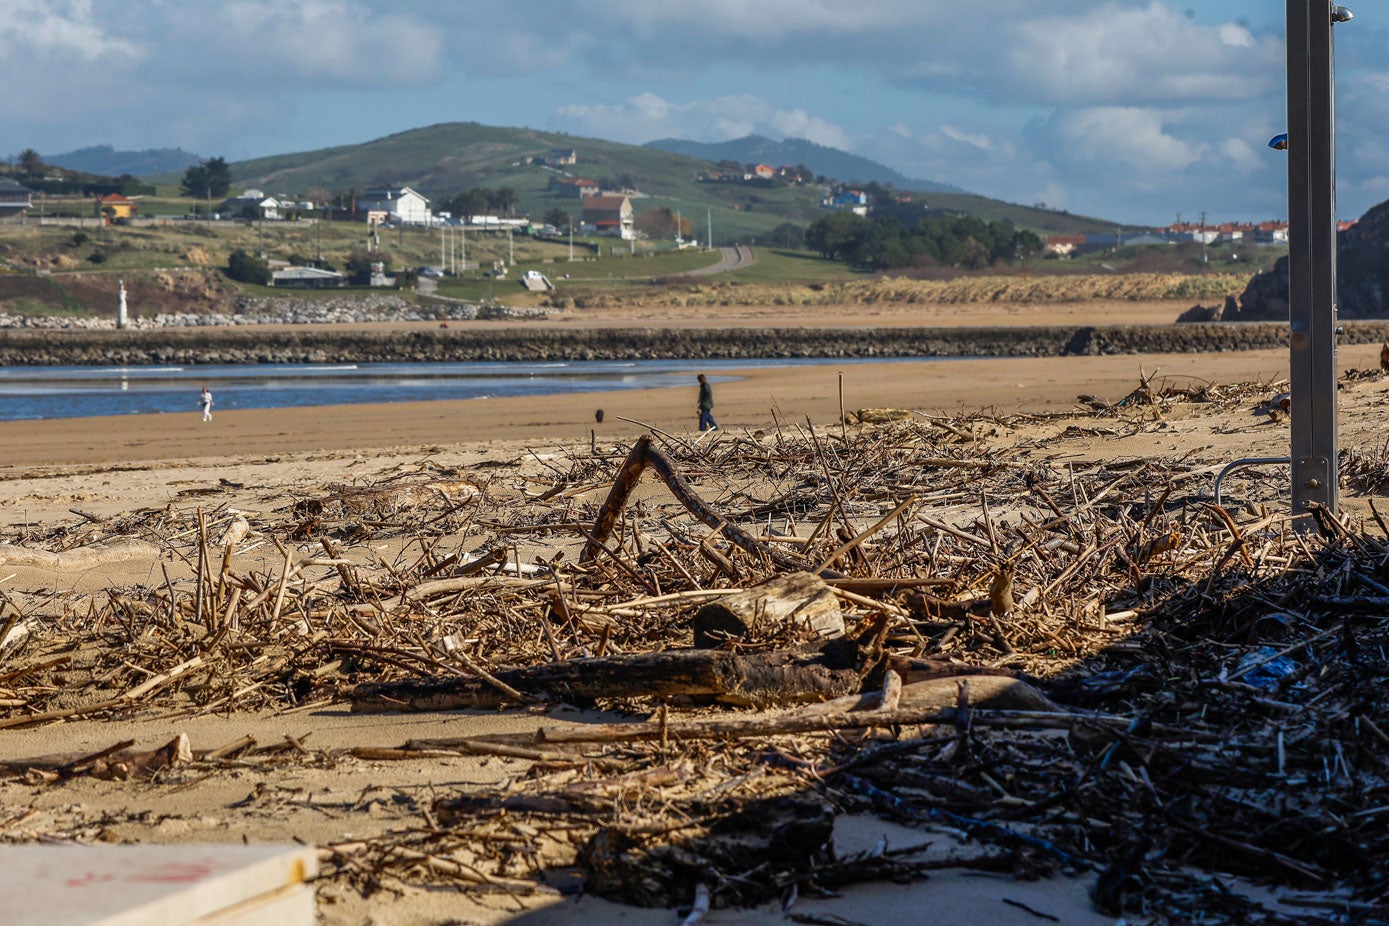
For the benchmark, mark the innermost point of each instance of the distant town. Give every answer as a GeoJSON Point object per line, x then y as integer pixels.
{"type": "Point", "coordinates": [31, 191]}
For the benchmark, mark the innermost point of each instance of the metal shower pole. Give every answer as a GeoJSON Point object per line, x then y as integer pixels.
{"type": "Point", "coordinates": [1311, 143]}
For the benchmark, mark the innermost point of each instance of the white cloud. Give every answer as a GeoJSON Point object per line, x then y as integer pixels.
{"type": "Point", "coordinates": [1242, 154]}
{"type": "Point", "coordinates": [61, 30]}
{"type": "Point", "coordinates": [1235, 35]}
{"type": "Point", "coordinates": [774, 19]}
{"type": "Point", "coordinates": [331, 42]}
{"type": "Point", "coordinates": [1130, 136]}
{"type": "Point", "coordinates": [976, 140]}
{"type": "Point", "coordinates": [646, 117]}
{"type": "Point", "coordinates": [1123, 53]}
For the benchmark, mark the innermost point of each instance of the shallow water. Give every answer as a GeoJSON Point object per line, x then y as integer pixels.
{"type": "Point", "coordinates": [82, 392]}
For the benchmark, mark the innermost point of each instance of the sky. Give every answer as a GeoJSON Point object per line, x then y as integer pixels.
{"type": "Point", "coordinates": [1138, 111]}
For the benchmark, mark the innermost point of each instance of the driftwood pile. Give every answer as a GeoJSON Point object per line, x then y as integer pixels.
{"type": "Point", "coordinates": [1067, 667]}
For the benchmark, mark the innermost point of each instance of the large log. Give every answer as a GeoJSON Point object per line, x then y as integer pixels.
{"type": "Point", "coordinates": [799, 599]}
{"type": "Point", "coordinates": [781, 677]}
{"type": "Point", "coordinates": [829, 669]}
{"type": "Point", "coordinates": [116, 550]}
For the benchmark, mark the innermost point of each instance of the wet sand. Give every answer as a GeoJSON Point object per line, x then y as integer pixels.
{"type": "Point", "coordinates": [761, 398]}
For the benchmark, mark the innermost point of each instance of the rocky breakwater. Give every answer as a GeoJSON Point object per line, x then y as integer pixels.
{"type": "Point", "coordinates": [195, 346]}
{"type": "Point", "coordinates": [1362, 279]}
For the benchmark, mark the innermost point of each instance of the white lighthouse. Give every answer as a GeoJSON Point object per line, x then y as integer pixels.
{"type": "Point", "coordinates": [120, 308]}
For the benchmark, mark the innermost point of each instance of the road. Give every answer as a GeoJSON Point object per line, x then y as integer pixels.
{"type": "Point", "coordinates": [734, 258]}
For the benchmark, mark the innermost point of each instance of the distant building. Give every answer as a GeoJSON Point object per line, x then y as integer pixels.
{"type": "Point", "coordinates": [610, 215]}
{"type": "Point", "coordinates": [306, 278]}
{"type": "Point", "coordinates": [114, 206]}
{"type": "Point", "coordinates": [855, 201]}
{"type": "Point", "coordinates": [15, 198]}
{"type": "Point", "coordinates": [401, 204]}
{"type": "Point", "coordinates": [763, 171]}
{"type": "Point", "coordinates": [562, 157]}
{"type": "Point", "coordinates": [575, 187]}
{"type": "Point", "coordinates": [252, 204]}
{"type": "Point", "coordinates": [1064, 245]}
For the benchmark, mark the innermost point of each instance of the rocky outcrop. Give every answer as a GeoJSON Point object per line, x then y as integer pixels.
{"type": "Point", "coordinates": [1362, 276]}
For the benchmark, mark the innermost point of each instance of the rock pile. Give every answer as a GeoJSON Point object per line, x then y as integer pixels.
{"type": "Point", "coordinates": [287, 311]}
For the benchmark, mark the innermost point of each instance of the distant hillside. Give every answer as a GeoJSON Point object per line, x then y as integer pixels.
{"type": "Point", "coordinates": [443, 160]}
{"type": "Point", "coordinates": [107, 161]}
{"type": "Point", "coordinates": [824, 161]}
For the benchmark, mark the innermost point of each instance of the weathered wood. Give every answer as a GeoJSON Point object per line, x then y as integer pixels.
{"type": "Point", "coordinates": [994, 692]}
{"type": "Point", "coordinates": [117, 762]}
{"type": "Point", "coordinates": [643, 455]}
{"type": "Point", "coordinates": [799, 599]}
{"type": "Point", "coordinates": [790, 724]}
{"type": "Point", "coordinates": [117, 550]}
{"type": "Point", "coordinates": [805, 674]}
{"type": "Point", "coordinates": [782, 677]}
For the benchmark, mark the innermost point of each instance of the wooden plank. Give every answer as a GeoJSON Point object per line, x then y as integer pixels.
{"type": "Point", "coordinates": [157, 885]}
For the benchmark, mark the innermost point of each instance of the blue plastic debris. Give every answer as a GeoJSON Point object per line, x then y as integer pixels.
{"type": "Point", "coordinates": [1269, 668]}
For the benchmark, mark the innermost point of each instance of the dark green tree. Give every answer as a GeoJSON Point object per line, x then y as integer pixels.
{"type": "Point", "coordinates": [247, 268]}
{"type": "Point", "coordinates": [208, 180]}
{"type": "Point", "coordinates": [787, 235]}
{"type": "Point", "coordinates": [503, 200]}
{"type": "Point", "coordinates": [470, 203]}
{"type": "Point", "coordinates": [559, 218]}
{"type": "Point", "coordinates": [30, 164]}
{"type": "Point", "coordinates": [834, 236]}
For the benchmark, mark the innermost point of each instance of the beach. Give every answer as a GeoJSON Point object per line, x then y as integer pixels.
{"type": "Point", "coordinates": [74, 476]}
{"type": "Point", "coordinates": [758, 399]}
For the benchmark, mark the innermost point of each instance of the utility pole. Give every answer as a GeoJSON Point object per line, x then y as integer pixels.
{"type": "Point", "coordinates": [1311, 147]}
{"type": "Point", "coordinates": [571, 241]}
{"type": "Point", "coordinates": [709, 220]}
{"type": "Point", "coordinates": [510, 248]}
{"type": "Point", "coordinates": [1202, 233]}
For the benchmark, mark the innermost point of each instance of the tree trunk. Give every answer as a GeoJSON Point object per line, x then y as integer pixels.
{"type": "Point", "coordinates": [782, 677]}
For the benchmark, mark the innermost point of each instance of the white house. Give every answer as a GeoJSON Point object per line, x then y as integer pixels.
{"type": "Point", "coordinates": [401, 204]}
{"type": "Point", "coordinates": [610, 215]}
{"type": "Point", "coordinates": [252, 204]}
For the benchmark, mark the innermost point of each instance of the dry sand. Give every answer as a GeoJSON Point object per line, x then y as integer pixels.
{"type": "Point", "coordinates": [108, 466]}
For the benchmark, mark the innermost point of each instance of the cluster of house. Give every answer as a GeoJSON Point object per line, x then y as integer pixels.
{"type": "Point", "coordinates": [750, 173]}
{"type": "Point", "coordinates": [603, 214]}
{"type": "Point", "coordinates": [1248, 233]}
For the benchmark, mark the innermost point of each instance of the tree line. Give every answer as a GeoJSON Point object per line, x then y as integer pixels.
{"type": "Point", "coordinates": [884, 242]}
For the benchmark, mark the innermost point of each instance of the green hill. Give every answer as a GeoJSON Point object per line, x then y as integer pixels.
{"type": "Point", "coordinates": [823, 160]}
{"type": "Point", "coordinates": [443, 160]}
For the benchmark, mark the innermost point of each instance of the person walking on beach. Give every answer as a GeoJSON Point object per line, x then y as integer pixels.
{"type": "Point", "coordinates": [706, 406]}
{"type": "Point", "coordinates": [205, 400]}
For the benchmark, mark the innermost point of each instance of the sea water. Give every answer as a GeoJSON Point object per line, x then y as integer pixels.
{"type": "Point", "coordinates": [83, 392]}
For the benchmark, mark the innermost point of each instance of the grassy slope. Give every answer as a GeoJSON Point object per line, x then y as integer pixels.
{"type": "Point", "coordinates": [441, 160]}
